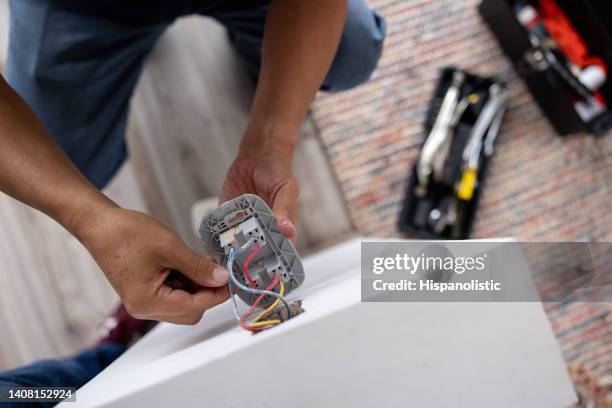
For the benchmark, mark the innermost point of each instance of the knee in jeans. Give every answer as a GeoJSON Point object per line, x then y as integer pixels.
{"type": "Point", "coordinates": [359, 50]}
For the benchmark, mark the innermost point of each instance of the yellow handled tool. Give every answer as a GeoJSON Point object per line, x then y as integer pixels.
{"type": "Point", "coordinates": [489, 119]}
{"type": "Point", "coordinates": [467, 184]}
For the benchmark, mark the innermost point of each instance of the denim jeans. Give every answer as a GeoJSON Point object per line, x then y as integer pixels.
{"type": "Point", "coordinates": [70, 372]}
{"type": "Point", "coordinates": [76, 62]}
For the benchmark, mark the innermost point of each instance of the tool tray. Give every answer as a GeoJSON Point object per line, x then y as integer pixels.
{"type": "Point", "coordinates": [413, 217]}
{"type": "Point", "coordinates": [548, 87]}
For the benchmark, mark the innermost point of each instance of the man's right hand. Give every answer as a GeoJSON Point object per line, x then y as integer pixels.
{"type": "Point", "coordinates": [156, 275]}
{"type": "Point", "coordinates": [138, 253]}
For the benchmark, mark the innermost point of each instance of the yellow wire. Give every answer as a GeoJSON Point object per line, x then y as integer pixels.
{"type": "Point", "coordinates": [269, 309]}
{"type": "Point", "coordinates": [264, 323]}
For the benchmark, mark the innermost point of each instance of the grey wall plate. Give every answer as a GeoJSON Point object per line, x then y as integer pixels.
{"type": "Point", "coordinates": [232, 224]}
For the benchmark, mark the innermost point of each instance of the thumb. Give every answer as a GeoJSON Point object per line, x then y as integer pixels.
{"type": "Point", "coordinates": [201, 269]}
{"type": "Point", "coordinates": [285, 208]}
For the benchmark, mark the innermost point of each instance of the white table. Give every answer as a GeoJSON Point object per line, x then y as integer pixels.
{"type": "Point", "coordinates": [344, 353]}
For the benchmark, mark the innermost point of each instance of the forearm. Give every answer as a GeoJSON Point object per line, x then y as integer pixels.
{"type": "Point", "coordinates": [300, 40]}
{"type": "Point", "coordinates": [34, 170]}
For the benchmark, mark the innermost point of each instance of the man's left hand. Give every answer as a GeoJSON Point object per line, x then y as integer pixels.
{"type": "Point", "coordinates": [269, 176]}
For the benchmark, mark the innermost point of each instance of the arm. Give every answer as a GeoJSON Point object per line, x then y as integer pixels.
{"type": "Point", "coordinates": [35, 171]}
{"type": "Point", "coordinates": [300, 40]}
{"type": "Point", "coordinates": [136, 252]}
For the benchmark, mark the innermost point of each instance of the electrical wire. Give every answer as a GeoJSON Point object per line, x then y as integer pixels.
{"type": "Point", "coordinates": [254, 325]}
{"type": "Point", "coordinates": [275, 282]}
{"type": "Point", "coordinates": [230, 267]}
{"type": "Point", "coordinates": [234, 304]}
{"type": "Point", "coordinates": [272, 306]}
{"type": "Point", "coordinates": [247, 262]}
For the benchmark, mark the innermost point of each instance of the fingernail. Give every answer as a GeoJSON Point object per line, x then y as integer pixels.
{"type": "Point", "coordinates": [288, 225]}
{"type": "Point", "coordinates": [219, 274]}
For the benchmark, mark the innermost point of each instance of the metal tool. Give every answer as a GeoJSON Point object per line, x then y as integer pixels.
{"type": "Point", "coordinates": [489, 141]}
{"type": "Point", "coordinates": [437, 146]}
{"type": "Point", "coordinates": [471, 154]}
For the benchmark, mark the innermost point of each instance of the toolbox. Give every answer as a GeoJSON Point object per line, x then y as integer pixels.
{"type": "Point", "coordinates": [562, 49]}
{"type": "Point", "coordinates": [461, 128]}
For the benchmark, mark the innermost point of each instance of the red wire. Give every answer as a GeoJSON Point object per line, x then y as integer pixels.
{"type": "Point", "coordinates": [241, 322]}
{"type": "Point", "coordinates": [245, 268]}
{"type": "Point", "coordinates": [251, 329]}
{"type": "Point", "coordinates": [245, 265]}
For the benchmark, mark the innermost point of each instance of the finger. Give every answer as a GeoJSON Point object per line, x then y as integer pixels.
{"type": "Point", "coordinates": [180, 307]}
{"type": "Point", "coordinates": [200, 269]}
{"type": "Point", "coordinates": [285, 208]}
{"type": "Point", "coordinates": [211, 297]}
{"type": "Point", "coordinates": [177, 280]}
{"type": "Point", "coordinates": [224, 196]}
{"type": "Point", "coordinates": [180, 320]}
{"type": "Point", "coordinates": [238, 180]}
{"type": "Point", "coordinates": [229, 193]}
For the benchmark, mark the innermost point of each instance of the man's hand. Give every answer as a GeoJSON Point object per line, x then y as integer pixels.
{"type": "Point", "coordinates": [156, 275]}
{"type": "Point", "coordinates": [300, 40]}
{"type": "Point", "coordinates": [152, 270]}
{"type": "Point", "coordinates": [271, 178]}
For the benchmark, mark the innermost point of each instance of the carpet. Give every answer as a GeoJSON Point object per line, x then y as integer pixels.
{"type": "Point", "coordinates": [540, 187]}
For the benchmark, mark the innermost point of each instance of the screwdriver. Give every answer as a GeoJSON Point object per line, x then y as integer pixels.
{"type": "Point", "coordinates": [487, 119]}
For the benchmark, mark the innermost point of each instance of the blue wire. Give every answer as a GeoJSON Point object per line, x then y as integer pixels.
{"type": "Point", "coordinates": [232, 257]}
{"type": "Point", "coordinates": [231, 289]}
{"type": "Point", "coordinates": [230, 267]}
